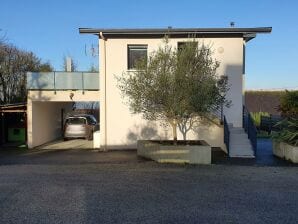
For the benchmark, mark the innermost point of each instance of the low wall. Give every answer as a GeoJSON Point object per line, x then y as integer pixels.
{"type": "Point", "coordinates": [285, 151]}
{"type": "Point", "coordinates": [96, 139]}
{"type": "Point", "coordinates": [192, 154]}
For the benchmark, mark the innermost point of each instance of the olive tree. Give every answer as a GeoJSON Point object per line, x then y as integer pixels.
{"type": "Point", "coordinates": [177, 86]}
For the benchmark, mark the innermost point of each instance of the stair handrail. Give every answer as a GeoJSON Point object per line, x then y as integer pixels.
{"type": "Point", "coordinates": [250, 128]}
{"type": "Point", "coordinates": [226, 134]}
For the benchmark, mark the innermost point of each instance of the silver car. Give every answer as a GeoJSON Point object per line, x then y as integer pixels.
{"type": "Point", "coordinates": [79, 126]}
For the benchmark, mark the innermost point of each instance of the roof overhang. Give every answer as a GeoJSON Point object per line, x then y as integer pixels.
{"type": "Point", "coordinates": [246, 33]}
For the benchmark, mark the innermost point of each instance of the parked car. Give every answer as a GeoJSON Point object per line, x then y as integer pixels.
{"type": "Point", "coordinates": [80, 126]}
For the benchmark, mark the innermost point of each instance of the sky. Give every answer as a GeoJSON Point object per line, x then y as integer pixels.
{"type": "Point", "coordinates": [50, 29]}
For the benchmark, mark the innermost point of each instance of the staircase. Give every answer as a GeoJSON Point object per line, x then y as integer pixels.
{"type": "Point", "coordinates": [239, 144]}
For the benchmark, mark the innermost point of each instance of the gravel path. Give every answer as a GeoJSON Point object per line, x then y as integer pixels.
{"type": "Point", "coordinates": [77, 186]}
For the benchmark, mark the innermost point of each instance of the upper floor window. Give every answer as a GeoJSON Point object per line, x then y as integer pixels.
{"type": "Point", "coordinates": [135, 53]}
{"type": "Point", "coordinates": [181, 45]}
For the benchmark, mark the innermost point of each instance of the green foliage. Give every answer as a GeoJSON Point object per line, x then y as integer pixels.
{"type": "Point", "coordinates": [14, 63]}
{"type": "Point", "coordinates": [289, 104]}
{"type": "Point", "coordinates": [289, 131]}
{"type": "Point", "coordinates": [93, 68]}
{"type": "Point", "coordinates": [263, 134]}
{"type": "Point", "coordinates": [256, 116]}
{"type": "Point", "coordinates": [176, 86]}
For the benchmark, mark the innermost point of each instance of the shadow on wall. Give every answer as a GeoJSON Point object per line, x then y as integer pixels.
{"type": "Point", "coordinates": [147, 131]}
{"type": "Point", "coordinates": [234, 72]}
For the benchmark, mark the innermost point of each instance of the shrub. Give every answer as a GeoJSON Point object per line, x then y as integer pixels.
{"type": "Point", "coordinates": [289, 104]}
{"type": "Point", "coordinates": [289, 131]}
{"type": "Point", "coordinates": [256, 116]}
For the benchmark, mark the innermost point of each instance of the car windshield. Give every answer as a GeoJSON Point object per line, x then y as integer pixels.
{"type": "Point", "coordinates": [76, 120]}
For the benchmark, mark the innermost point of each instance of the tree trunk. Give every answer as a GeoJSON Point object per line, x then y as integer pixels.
{"type": "Point", "coordinates": [184, 136]}
{"type": "Point", "coordinates": [174, 127]}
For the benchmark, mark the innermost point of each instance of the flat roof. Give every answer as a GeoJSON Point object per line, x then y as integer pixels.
{"type": "Point", "coordinates": [246, 33]}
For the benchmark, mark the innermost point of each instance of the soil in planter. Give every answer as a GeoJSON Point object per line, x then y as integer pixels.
{"type": "Point", "coordinates": [180, 142]}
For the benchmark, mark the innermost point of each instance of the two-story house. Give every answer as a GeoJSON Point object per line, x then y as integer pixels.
{"type": "Point", "coordinates": [118, 50]}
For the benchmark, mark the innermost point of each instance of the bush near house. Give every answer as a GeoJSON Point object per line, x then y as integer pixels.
{"type": "Point", "coordinates": [268, 107]}
{"type": "Point", "coordinates": [289, 104]}
{"type": "Point", "coordinates": [256, 116]}
{"type": "Point", "coordinates": [289, 131]}
{"type": "Point", "coordinates": [289, 126]}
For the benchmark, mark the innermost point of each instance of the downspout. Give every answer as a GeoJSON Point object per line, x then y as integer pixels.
{"type": "Point", "coordinates": [243, 75]}
{"type": "Point", "coordinates": [105, 89]}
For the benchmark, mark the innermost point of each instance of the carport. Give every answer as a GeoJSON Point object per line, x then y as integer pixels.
{"type": "Point", "coordinates": [13, 123]}
{"type": "Point", "coordinates": [51, 97]}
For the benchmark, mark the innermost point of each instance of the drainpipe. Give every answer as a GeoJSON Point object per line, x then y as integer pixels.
{"type": "Point", "coordinates": [105, 90]}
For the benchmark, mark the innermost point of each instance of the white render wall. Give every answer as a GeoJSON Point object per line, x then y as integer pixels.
{"type": "Point", "coordinates": [44, 113]}
{"type": "Point", "coordinates": [44, 121]}
{"type": "Point", "coordinates": [120, 129]}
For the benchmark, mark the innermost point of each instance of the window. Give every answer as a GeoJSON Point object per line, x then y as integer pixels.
{"type": "Point", "coordinates": [135, 53]}
{"type": "Point", "coordinates": [181, 45]}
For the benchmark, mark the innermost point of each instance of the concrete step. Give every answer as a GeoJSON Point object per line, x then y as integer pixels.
{"type": "Point", "coordinates": [235, 155]}
{"type": "Point", "coordinates": [237, 131]}
{"type": "Point", "coordinates": [241, 150]}
{"type": "Point", "coordinates": [241, 147]}
{"type": "Point", "coordinates": [239, 141]}
{"type": "Point", "coordinates": [239, 135]}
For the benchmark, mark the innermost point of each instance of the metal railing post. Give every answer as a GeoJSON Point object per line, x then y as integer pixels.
{"type": "Point", "coordinates": [83, 83]}
{"type": "Point", "coordinates": [55, 83]}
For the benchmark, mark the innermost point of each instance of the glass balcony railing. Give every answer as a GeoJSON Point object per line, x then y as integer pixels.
{"type": "Point", "coordinates": [62, 81]}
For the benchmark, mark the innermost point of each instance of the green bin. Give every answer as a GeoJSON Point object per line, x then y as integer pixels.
{"type": "Point", "coordinates": [16, 135]}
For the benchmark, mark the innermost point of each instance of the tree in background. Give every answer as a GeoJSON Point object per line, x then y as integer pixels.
{"type": "Point", "coordinates": [14, 63]}
{"type": "Point", "coordinates": [93, 68]}
{"type": "Point", "coordinates": [177, 86]}
{"type": "Point", "coordinates": [289, 104]}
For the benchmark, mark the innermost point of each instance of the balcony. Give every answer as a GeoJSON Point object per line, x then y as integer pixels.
{"type": "Point", "coordinates": [58, 81]}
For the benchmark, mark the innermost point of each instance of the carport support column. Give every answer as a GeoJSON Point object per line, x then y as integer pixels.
{"type": "Point", "coordinates": [29, 123]}
{"type": "Point", "coordinates": [103, 96]}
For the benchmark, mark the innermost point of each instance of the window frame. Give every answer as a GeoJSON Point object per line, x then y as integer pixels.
{"type": "Point", "coordinates": [145, 47]}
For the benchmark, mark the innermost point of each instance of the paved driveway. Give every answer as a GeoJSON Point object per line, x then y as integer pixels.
{"type": "Point", "coordinates": [70, 144]}
{"type": "Point", "coordinates": [81, 186]}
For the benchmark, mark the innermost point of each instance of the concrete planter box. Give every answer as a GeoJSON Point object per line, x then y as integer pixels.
{"type": "Point", "coordinates": [285, 151]}
{"type": "Point", "coordinates": [160, 151]}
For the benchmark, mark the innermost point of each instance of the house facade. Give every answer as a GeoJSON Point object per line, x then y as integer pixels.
{"type": "Point", "coordinates": [49, 95]}
{"type": "Point", "coordinates": [119, 128]}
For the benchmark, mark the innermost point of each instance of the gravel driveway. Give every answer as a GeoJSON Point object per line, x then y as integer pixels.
{"type": "Point", "coordinates": [80, 186]}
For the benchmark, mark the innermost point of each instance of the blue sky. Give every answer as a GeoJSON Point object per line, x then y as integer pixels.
{"type": "Point", "coordinates": [50, 29]}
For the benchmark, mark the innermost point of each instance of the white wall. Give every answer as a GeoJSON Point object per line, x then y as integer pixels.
{"type": "Point", "coordinates": [44, 121]}
{"type": "Point", "coordinates": [123, 129]}
{"type": "Point", "coordinates": [44, 113]}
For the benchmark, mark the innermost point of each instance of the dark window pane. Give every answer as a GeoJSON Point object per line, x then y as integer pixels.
{"type": "Point", "coordinates": [135, 53]}
{"type": "Point", "coordinates": [181, 45]}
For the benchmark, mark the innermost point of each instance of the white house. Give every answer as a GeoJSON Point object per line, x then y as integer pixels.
{"type": "Point", "coordinates": [118, 48]}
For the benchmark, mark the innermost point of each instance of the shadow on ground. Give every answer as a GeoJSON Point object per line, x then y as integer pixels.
{"type": "Point", "coordinates": [264, 157]}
